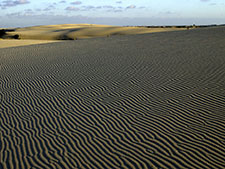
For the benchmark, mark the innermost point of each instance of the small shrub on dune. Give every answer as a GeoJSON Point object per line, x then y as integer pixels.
{"type": "Point", "coordinates": [2, 33]}
{"type": "Point", "coordinates": [16, 36]}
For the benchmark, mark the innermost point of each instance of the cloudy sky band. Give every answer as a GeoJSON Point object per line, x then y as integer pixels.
{"type": "Point", "coordinates": [117, 9]}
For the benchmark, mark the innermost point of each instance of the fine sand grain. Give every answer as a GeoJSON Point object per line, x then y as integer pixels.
{"type": "Point", "coordinates": [137, 101]}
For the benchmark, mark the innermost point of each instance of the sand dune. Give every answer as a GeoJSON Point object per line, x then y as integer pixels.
{"type": "Point", "coordinates": [138, 101]}
{"type": "Point", "coordinates": [80, 31]}
{"type": "Point", "coordinates": [51, 33]}
{"type": "Point", "coordinates": [12, 43]}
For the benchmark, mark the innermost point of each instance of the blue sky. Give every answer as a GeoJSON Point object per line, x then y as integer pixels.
{"type": "Point", "coordinates": [114, 12]}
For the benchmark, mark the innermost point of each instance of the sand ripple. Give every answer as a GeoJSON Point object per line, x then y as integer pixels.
{"type": "Point", "coordinates": [143, 101]}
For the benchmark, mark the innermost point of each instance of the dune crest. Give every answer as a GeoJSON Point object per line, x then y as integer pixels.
{"type": "Point", "coordinates": [80, 31]}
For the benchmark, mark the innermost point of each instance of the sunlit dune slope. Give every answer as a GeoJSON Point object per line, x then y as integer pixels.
{"type": "Point", "coordinates": [14, 43]}
{"type": "Point", "coordinates": [77, 31]}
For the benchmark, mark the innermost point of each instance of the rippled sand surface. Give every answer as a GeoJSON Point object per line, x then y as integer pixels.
{"type": "Point", "coordinates": [137, 101]}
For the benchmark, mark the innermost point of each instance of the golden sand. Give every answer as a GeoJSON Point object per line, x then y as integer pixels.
{"type": "Point", "coordinates": [74, 32]}
{"type": "Point", "coordinates": [13, 43]}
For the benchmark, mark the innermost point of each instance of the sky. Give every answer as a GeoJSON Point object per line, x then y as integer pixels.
{"type": "Point", "coordinates": [21, 13]}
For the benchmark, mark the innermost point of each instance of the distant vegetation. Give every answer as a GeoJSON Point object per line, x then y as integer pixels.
{"type": "Point", "coordinates": [3, 34]}
{"type": "Point", "coordinates": [183, 26]}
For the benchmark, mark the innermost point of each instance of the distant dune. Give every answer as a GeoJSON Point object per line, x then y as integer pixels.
{"type": "Point", "coordinates": [75, 31]}
{"type": "Point", "coordinates": [124, 102]}
{"type": "Point", "coordinates": [71, 32]}
{"type": "Point", "coordinates": [13, 43]}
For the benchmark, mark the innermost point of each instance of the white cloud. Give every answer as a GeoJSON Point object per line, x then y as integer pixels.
{"type": "Point", "coordinates": [131, 7]}
{"type": "Point", "coordinates": [72, 8]}
{"type": "Point", "coordinates": [62, 1]}
{"type": "Point", "coordinates": [204, 0]}
{"type": "Point", "coordinates": [11, 3]}
{"type": "Point", "coordinates": [76, 3]}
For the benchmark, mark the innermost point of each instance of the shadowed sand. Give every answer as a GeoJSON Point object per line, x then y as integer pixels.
{"type": "Point", "coordinates": [73, 32]}
{"type": "Point", "coordinates": [137, 101]}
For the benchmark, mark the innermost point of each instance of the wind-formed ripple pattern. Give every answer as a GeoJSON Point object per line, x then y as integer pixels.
{"type": "Point", "coordinates": [141, 101]}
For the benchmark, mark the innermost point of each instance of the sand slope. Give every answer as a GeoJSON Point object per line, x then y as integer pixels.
{"type": "Point", "coordinates": [139, 101]}
{"type": "Point", "coordinates": [12, 43]}
{"type": "Point", "coordinates": [80, 31]}
{"type": "Point", "coordinates": [52, 33]}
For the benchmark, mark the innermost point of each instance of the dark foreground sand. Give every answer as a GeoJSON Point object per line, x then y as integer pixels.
{"type": "Point", "coordinates": [139, 101]}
